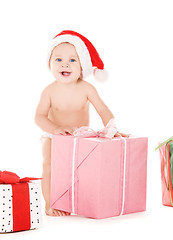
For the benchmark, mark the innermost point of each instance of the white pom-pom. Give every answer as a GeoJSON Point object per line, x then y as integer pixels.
{"type": "Point", "coordinates": [101, 75]}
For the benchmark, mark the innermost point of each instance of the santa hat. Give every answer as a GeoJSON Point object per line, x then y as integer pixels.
{"type": "Point", "coordinates": [90, 60]}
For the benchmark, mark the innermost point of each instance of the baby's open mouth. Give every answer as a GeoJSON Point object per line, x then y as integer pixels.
{"type": "Point", "coordinates": [65, 73]}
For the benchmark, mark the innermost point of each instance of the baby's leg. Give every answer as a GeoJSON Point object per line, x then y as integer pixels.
{"type": "Point", "coordinates": [46, 175]}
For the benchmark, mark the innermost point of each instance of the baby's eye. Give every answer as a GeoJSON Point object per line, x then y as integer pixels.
{"type": "Point", "coordinates": [58, 59]}
{"type": "Point", "coordinates": [72, 60]}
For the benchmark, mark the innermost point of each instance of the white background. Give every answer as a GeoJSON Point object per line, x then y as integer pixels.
{"type": "Point", "coordinates": [134, 39]}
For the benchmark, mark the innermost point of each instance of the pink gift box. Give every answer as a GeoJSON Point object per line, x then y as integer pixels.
{"type": "Point", "coordinates": [98, 177]}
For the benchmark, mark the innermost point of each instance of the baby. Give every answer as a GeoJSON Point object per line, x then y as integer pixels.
{"type": "Point", "coordinates": [64, 104]}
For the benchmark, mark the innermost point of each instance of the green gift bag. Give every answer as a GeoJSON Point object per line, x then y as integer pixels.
{"type": "Point", "coordinates": [171, 160]}
{"type": "Point", "coordinates": [166, 156]}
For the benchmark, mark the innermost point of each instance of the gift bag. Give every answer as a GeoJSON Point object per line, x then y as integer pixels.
{"type": "Point", "coordinates": [166, 158]}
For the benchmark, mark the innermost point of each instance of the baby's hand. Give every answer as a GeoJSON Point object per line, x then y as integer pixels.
{"type": "Point", "coordinates": [63, 131]}
{"type": "Point", "coordinates": [118, 134]}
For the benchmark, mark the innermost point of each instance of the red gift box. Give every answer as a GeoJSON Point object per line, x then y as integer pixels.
{"type": "Point", "coordinates": [20, 203]}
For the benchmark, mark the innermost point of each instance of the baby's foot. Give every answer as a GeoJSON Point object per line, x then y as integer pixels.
{"type": "Point", "coordinates": [51, 212]}
{"type": "Point", "coordinates": [63, 213]}
{"type": "Point", "coordinates": [55, 212]}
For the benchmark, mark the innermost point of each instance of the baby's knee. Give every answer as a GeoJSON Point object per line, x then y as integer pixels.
{"type": "Point", "coordinates": [46, 167]}
{"type": "Point", "coordinates": [46, 150]}
{"type": "Point", "coordinates": [46, 153]}
{"type": "Point", "coordinates": [46, 160]}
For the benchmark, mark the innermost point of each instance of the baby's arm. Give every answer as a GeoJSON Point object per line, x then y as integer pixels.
{"type": "Point", "coordinates": [98, 104]}
{"type": "Point", "coordinates": [41, 115]}
{"type": "Point", "coordinates": [101, 108]}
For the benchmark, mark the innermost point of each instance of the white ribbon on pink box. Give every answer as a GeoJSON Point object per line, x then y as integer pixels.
{"type": "Point", "coordinates": [88, 132]}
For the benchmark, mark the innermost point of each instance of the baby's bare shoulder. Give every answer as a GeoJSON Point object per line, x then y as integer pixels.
{"type": "Point", "coordinates": [89, 88]}
{"type": "Point", "coordinates": [86, 88]}
{"type": "Point", "coordinates": [87, 85]}
{"type": "Point", "coordinates": [47, 93]}
{"type": "Point", "coordinates": [48, 89]}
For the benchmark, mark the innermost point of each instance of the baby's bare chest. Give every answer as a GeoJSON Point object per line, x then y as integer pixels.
{"type": "Point", "coordinates": [69, 101]}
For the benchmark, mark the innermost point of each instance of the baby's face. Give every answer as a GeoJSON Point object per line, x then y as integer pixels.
{"type": "Point", "coordinates": [65, 63]}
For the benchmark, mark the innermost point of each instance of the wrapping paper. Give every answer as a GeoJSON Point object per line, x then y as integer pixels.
{"type": "Point", "coordinates": [20, 206]}
{"type": "Point", "coordinates": [97, 177]}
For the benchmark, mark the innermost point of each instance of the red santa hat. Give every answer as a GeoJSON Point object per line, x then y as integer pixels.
{"type": "Point", "coordinates": [90, 60]}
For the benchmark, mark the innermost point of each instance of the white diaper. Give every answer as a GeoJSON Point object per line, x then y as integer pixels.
{"type": "Point", "coordinates": [46, 135]}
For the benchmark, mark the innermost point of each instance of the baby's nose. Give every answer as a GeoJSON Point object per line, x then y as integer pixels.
{"type": "Point", "coordinates": [65, 64]}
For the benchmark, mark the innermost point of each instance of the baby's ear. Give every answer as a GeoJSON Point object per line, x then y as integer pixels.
{"type": "Point", "coordinates": [49, 59]}
{"type": "Point", "coordinates": [81, 75]}
{"type": "Point", "coordinates": [49, 66]}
